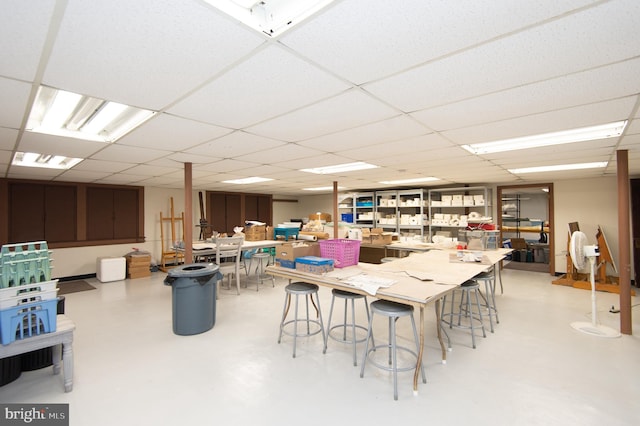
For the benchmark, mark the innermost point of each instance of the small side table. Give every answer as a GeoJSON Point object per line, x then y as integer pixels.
{"type": "Point", "coordinates": [62, 336]}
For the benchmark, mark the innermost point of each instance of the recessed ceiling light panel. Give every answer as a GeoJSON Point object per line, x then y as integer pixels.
{"type": "Point", "coordinates": [32, 159]}
{"type": "Point", "coordinates": [602, 131]}
{"type": "Point", "coordinates": [409, 181]}
{"type": "Point", "coordinates": [248, 180]}
{"type": "Point", "coordinates": [340, 168]}
{"type": "Point", "coordinates": [559, 168]}
{"type": "Point", "coordinates": [62, 113]}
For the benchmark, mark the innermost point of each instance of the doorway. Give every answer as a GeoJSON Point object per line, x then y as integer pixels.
{"type": "Point", "coordinates": [525, 212]}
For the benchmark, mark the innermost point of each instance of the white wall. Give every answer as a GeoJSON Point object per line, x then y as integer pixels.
{"type": "Point", "coordinates": [591, 202]}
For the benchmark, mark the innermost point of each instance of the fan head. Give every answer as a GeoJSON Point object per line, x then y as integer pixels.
{"type": "Point", "coordinates": [576, 249]}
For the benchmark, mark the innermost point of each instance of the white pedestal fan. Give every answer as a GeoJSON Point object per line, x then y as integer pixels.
{"type": "Point", "coordinates": [581, 253]}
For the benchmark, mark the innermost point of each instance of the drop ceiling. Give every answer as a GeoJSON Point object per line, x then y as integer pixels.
{"type": "Point", "coordinates": [402, 85]}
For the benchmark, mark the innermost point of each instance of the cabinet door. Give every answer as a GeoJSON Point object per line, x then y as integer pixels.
{"type": "Point", "coordinates": [125, 210]}
{"type": "Point", "coordinates": [258, 207]}
{"type": "Point", "coordinates": [60, 216]}
{"type": "Point", "coordinates": [27, 212]}
{"type": "Point", "coordinates": [99, 213]}
{"type": "Point", "coordinates": [217, 215]}
{"type": "Point", "coordinates": [233, 212]}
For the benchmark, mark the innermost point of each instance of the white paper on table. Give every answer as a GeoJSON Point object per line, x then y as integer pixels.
{"type": "Point", "coordinates": [369, 283]}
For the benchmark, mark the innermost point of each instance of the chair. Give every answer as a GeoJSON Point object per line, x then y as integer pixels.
{"type": "Point", "coordinates": [307, 290]}
{"type": "Point", "coordinates": [228, 256]}
{"type": "Point", "coordinates": [393, 311]}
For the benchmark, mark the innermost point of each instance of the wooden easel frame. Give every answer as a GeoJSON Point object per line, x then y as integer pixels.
{"type": "Point", "coordinates": [603, 281]}
{"type": "Point", "coordinates": [169, 254]}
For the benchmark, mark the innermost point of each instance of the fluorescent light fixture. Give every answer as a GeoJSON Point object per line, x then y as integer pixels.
{"type": "Point", "coordinates": [339, 168]}
{"type": "Point", "coordinates": [406, 181]}
{"type": "Point", "coordinates": [62, 113]}
{"type": "Point", "coordinates": [248, 180]}
{"type": "Point", "coordinates": [323, 188]}
{"type": "Point", "coordinates": [559, 168]}
{"type": "Point", "coordinates": [32, 159]}
{"type": "Point", "coordinates": [602, 131]}
{"type": "Point", "coordinates": [270, 17]}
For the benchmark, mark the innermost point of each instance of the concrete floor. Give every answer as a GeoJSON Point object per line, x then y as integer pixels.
{"type": "Point", "coordinates": [131, 369]}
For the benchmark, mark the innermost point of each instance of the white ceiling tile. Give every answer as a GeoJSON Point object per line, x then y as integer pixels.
{"type": "Point", "coordinates": [363, 40]}
{"type": "Point", "coordinates": [226, 166]}
{"type": "Point", "coordinates": [275, 76]}
{"type": "Point", "coordinates": [23, 32]}
{"type": "Point", "coordinates": [11, 113]}
{"type": "Point", "coordinates": [8, 138]}
{"type": "Point", "coordinates": [123, 179]}
{"type": "Point", "coordinates": [555, 120]}
{"type": "Point", "coordinates": [351, 109]}
{"type": "Point", "coordinates": [146, 170]}
{"type": "Point", "coordinates": [128, 154]}
{"type": "Point", "coordinates": [612, 36]}
{"type": "Point", "coordinates": [77, 175]}
{"type": "Point", "coordinates": [633, 127]}
{"type": "Point", "coordinates": [20, 172]}
{"type": "Point", "coordinates": [102, 166]}
{"type": "Point", "coordinates": [392, 129]}
{"type": "Point", "coordinates": [591, 86]}
{"type": "Point", "coordinates": [145, 53]}
{"type": "Point", "coordinates": [172, 133]}
{"type": "Point", "coordinates": [235, 144]}
{"type": "Point", "coordinates": [5, 157]}
{"type": "Point", "coordinates": [289, 152]}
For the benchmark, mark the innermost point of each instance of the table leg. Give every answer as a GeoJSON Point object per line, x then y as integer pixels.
{"type": "Point", "coordinates": [439, 328]}
{"type": "Point", "coordinates": [67, 359]}
{"type": "Point", "coordinates": [56, 357]}
{"type": "Point", "coordinates": [420, 352]}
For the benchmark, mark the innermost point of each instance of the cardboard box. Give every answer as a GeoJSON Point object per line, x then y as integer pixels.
{"type": "Point", "coordinates": [376, 236]}
{"type": "Point", "coordinates": [287, 253]}
{"type": "Point", "coordinates": [518, 244]}
{"type": "Point", "coordinates": [255, 233]}
{"type": "Point", "coordinates": [320, 216]}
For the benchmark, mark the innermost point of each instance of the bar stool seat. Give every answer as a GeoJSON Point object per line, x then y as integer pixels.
{"type": "Point", "coordinates": [345, 325]}
{"type": "Point", "coordinates": [307, 290]}
{"type": "Point", "coordinates": [393, 311]}
{"type": "Point", "coordinates": [465, 310]}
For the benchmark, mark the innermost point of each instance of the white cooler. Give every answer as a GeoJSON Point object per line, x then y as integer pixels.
{"type": "Point", "coordinates": [111, 269]}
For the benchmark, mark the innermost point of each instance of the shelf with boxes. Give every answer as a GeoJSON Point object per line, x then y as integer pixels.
{"type": "Point", "coordinates": [451, 209]}
{"type": "Point", "coordinates": [400, 211]}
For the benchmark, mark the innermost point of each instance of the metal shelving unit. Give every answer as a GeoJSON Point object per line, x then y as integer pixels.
{"type": "Point", "coordinates": [449, 207]}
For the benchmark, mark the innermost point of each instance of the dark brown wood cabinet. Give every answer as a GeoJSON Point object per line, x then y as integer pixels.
{"type": "Point", "coordinates": [70, 214]}
{"type": "Point", "coordinates": [226, 210]}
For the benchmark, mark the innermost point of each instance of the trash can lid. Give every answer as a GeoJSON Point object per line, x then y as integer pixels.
{"type": "Point", "coordinates": [193, 270]}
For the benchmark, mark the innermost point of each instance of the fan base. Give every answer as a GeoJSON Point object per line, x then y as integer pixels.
{"type": "Point", "coordinates": [595, 330]}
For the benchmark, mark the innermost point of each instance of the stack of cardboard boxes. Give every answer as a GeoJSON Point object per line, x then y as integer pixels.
{"type": "Point", "coordinates": [138, 265]}
{"type": "Point", "coordinates": [256, 233]}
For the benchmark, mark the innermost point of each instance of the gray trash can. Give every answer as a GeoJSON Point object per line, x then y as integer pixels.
{"type": "Point", "coordinates": [194, 297]}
